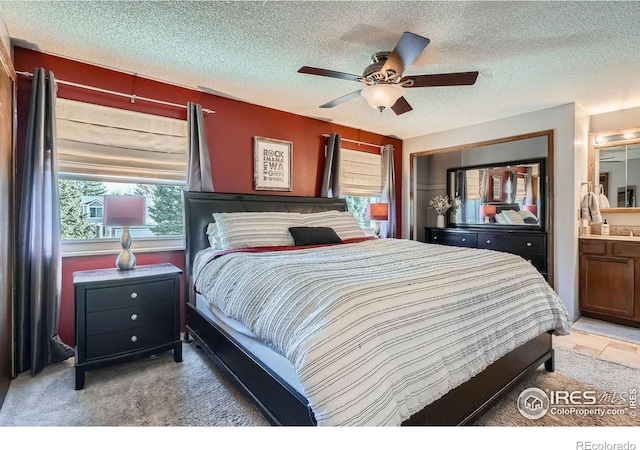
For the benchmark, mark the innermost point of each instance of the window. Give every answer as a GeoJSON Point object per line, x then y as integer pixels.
{"type": "Point", "coordinates": [81, 209]}
{"type": "Point", "coordinates": [361, 182]}
{"type": "Point", "coordinates": [358, 207]}
{"type": "Point", "coordinates": [106, 151]}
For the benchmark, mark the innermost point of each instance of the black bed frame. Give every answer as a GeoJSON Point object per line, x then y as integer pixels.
{"type": "Point", "coordinates": [276, 399]}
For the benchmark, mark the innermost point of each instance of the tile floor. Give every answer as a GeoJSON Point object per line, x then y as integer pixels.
{"type": "Point", "coordinates": [601, 347]}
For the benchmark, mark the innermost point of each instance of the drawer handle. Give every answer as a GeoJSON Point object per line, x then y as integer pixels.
{"type": "Point", "coordinates": [488, 242]}
{"type": "Point", "coordinates": [435, 238]}
{"type": "Point", "coordinates": [528, 244]}
{"type": "Point", "coordinates": [134, 338]}
{"type": "Point", "coordinates": [134, 295]}
{"type": "Point", "coordinates": [464, 239]}
{"type": "Point", "coordinates": [134, 317]}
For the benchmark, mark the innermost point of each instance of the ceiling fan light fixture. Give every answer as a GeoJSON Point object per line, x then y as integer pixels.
{"type": "Point", "coordinates": [381, 96]}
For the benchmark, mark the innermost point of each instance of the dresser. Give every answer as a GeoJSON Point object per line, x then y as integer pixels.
{"type": "Point", "coordinates": [125, 313]}
{"type": "Point", "coordinates": [531, 245]}
{"type": "Point", "coordinates": [610, 279]}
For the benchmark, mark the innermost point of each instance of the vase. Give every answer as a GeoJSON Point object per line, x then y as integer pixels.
{"type": "Point", "coordinates": [440, 221]}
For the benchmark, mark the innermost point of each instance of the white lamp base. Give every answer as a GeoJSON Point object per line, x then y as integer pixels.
{"type": "Point", "coordinates": [126, 259]}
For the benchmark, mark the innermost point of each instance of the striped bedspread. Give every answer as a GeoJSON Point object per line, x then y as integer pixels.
{"type": "Point", "coordinates": [379, 329]}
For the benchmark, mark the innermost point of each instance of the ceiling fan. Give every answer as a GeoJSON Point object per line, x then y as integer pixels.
{"type": "Point", "coordinates": [383, 78]}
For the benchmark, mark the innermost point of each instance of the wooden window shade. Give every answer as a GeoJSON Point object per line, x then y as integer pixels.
{"type": "Point", "coordinates": [96, 140]}
{"type": "Point", "coordinates": [473, 184]}
{"type": "Point", "coordinates": [360, 174]}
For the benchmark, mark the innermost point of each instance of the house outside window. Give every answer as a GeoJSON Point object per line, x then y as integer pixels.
{"type": "Point", "coordinates": [108, 151]}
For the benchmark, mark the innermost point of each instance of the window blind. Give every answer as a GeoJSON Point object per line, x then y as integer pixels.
{"type": "Point", "coordinates": [473, 184]}
{"type": "Point", "coordinates": [520, 189]}
{"type": "Point", "coordinates": [360, 174]}
{"type": "Point", "coordinates": [98, 140]}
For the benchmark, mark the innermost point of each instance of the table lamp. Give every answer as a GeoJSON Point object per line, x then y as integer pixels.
{"type": "Point", "coordinates": [124, 211]}
{"type": "Point", "coordinates": [487, 211]}
{"type": "Point", "coordinates": [533, 209]}
{"type": "Point", "coordinates": [377, 212]}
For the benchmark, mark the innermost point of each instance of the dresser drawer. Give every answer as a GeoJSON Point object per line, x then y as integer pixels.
{"type": "Point", "coordinates": [125, 318]}
{"type": "Point", "coordinates": [111, 344]}
{"type": "Point", "coordinates": [452, 238]}
{"type": "Point", "coordinates": [513, 243]}
{"type": "Point", "coordinates": [102, 299]}
{"type": "Point", "coordinates": [538, 260]}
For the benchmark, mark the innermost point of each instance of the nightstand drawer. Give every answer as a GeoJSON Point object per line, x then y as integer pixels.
{"type": "Point", "coordinates": [102, 299]}
{"type": "Point", "coordinates": [131, 340]}
{"type": "Point", "coordinates": [125, 318]}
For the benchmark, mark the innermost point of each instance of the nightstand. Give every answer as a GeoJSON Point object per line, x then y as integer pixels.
{"type": "Point", "coordinates": [125, 313]}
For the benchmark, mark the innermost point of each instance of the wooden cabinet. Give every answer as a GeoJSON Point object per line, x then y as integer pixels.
{"type": "Point", "coordinates": [125, 313]}
{"type": "Point", "coordinates": [532, 246]}
{"type": "Point", "coordinates": [610, 280]}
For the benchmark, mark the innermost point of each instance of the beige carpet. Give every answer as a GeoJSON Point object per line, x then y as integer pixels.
{"type": "Point", "coordinates": [160, 392]}
{"type": "Point", "coordinates": [506, 413]}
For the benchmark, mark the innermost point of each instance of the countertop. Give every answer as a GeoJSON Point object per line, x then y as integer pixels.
{"type": "Point", "coordinates": [612, 238]}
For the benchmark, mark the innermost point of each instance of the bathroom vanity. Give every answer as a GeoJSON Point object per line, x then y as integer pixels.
{"type": "Point", "coordinates": [610, 278]}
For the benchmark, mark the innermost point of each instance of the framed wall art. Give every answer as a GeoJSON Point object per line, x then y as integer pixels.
{"type": "Point", "coordinates": [272, 165]}
{"type": "Point", "coordinates": [497, 188]}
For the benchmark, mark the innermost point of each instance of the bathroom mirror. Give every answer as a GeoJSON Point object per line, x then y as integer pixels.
{"type": "Point", "coordinates": [615, 159]}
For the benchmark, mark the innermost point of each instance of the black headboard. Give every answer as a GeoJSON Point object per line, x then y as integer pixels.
{"type": "Point", "coordinates": [198, 207]}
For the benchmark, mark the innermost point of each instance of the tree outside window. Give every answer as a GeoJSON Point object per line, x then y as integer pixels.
{"type": "Point", "coordinates": [358, 207]}
{"type": "Point", "coordinates": [81, 209]}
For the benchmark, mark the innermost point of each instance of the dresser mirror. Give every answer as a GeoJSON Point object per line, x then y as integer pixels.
{"type": "Point", "coordinates": [501, 195]}
{"type": "Point", "coordinates": [614, 162]}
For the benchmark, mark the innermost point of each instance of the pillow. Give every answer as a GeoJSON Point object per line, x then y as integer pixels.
{"type": "Point", "coordinates": [501, 219]}
{"type": "Point", "coordinates": [342, 222]}
{"type": "Point", "coordinates": [214, 236]}
{"type": "Point", "coordinates": [256, 229]}
{"type": "Point", "coordinates": [314, 235]}
{"type": "Point", "coordinates": [528, 217]}
{"type": "Point", "coordinates": [512, 217]}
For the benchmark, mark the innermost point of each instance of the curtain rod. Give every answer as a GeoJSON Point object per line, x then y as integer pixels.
{"type": "Point", "coordinates": [357, 142]}
{"type": "Point", "coordinates": [132, 97]}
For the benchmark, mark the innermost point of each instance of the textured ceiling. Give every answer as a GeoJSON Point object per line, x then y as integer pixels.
{"type": "Point", "coordinates": [530, 55]}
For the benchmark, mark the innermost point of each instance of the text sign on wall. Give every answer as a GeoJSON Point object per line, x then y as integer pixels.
{"type": "Point", "coordinates": [272, 165]}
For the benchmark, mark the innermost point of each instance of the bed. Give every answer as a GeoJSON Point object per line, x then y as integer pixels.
{"type": "Point", "coordinates": [270, 385]}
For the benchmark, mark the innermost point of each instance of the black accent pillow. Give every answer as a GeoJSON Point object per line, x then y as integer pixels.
{"type": "Point", "coordinates": [530, 220]}
{"type": "Point", "coordinates": [314, 235]}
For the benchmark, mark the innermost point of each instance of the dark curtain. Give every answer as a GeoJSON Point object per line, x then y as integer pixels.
{"type": "Point", "coordinates": [461, 191]}
{"type": "Point", "coordinates": [39, 262]}
{"type": "Point", "coordinates": [513, 178]}
{"type": "Point", "coordinates": [331, 173]}
{"type": "Point", "coordinates": [388, 228]}
{"type": "Point", "coordinates": [199, 170]}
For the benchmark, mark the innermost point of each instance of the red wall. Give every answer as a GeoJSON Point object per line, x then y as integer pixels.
{"type": "Point", "coordinates": [230, 132]}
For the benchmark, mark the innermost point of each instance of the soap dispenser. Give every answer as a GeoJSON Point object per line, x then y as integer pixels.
{"type": "Point", "coordinates": [604, 228]}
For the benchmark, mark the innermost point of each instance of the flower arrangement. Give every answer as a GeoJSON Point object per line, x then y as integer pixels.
{"type": "Point", "coordinates": [440, 204]}
{"type": "Point", "coordinates": [456, 204]}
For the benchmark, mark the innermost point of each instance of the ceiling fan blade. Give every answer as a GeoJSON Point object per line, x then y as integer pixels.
{"type": "Point", "coordinates": [329, 73]}
{"type": "Point", "coordinates": [407, 50]}
{"type": "Point", "coordinates": [401, 106]}
{"type": "Point", "coordinates": [342, 99]}
{"type": "Point", "coordinates": [442, 79]}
